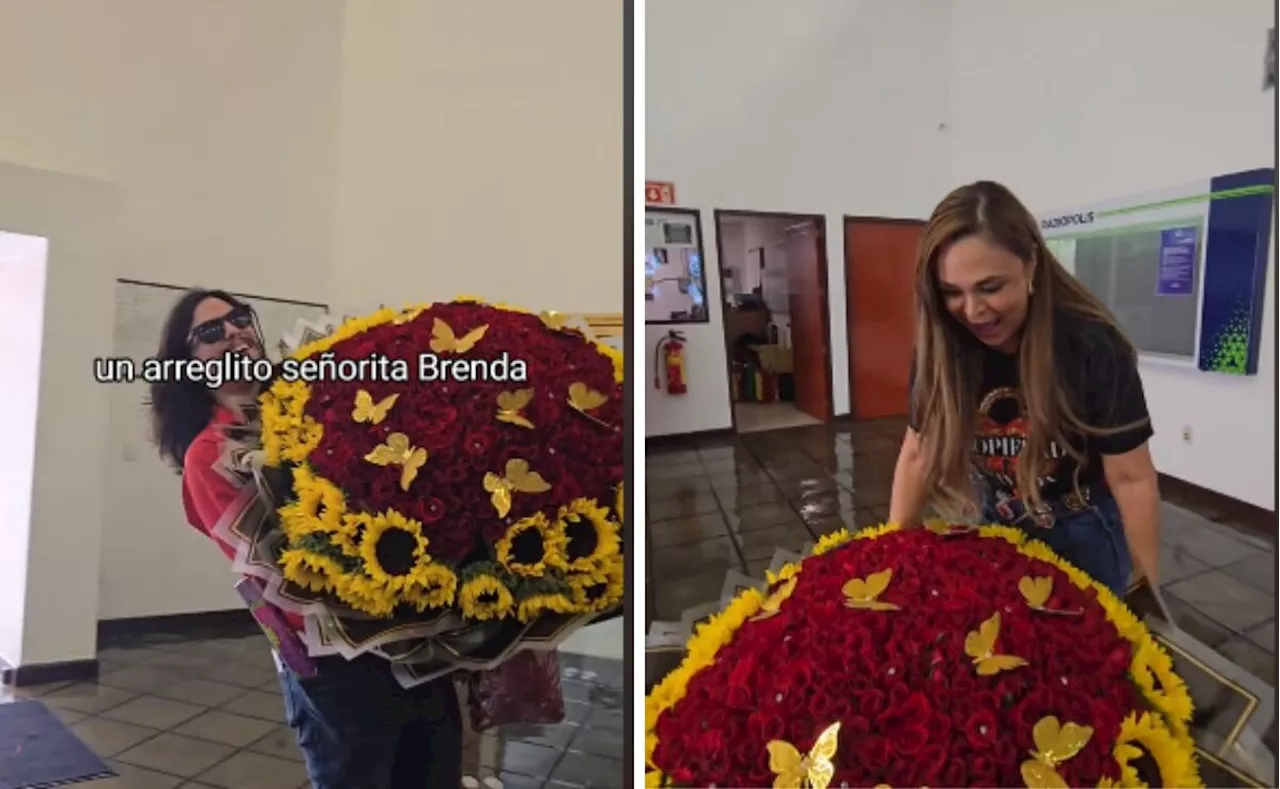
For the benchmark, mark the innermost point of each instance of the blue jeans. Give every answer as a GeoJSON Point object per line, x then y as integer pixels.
{"type": "Point", "coordinates": [358, 729]}
{"type": "Point", "coordinates": [1093, 540]}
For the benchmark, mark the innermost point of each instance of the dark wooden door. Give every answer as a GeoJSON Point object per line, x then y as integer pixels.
{"type": "Point", "coordinates": [880, 271]}
{"type": "Point", "coordinates": [810, 324]}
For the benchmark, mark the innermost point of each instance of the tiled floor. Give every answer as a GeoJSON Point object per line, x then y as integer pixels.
{"type": "Point", "coordinates": [726, 503]}
{"type": "Point", "coordinates": [169, 713]}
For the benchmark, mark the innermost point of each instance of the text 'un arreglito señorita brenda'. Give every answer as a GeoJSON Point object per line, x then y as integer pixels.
{"type": "Point", "coordinates": [430, 368]}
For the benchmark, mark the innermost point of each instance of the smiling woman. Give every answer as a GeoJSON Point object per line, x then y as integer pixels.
{"type": "Point", "coordinates": [1024, 384]}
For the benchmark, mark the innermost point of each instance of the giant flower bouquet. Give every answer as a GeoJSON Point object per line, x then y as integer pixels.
{"type": "Point", "coordinates": [945, 656]}
{"type": "Point", "coordinates": [440, 485]}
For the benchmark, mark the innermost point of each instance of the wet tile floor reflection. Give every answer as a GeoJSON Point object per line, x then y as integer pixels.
{"type": "Point", "coordinates": [727, 503]}
{"type": "Point", "coordinates": [168, 713]}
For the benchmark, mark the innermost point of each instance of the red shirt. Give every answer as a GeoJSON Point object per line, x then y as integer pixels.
{"type": "Point", "coordinates": [206, 494]}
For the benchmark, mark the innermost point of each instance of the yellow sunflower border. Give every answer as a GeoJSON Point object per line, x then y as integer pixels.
{"type": "Point", "coordinates": [1165, 736]}
{"type": "Point", "coordinates": [332, 549]}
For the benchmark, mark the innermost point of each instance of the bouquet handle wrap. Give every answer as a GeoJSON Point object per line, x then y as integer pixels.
{"type": "Point", "coordinates": [525, 689]}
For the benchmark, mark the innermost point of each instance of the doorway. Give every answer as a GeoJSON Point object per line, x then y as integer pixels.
{"type": "Point", "coordinates": [880, 272]}
{"type": "Point", "coordinates": [777, 325]}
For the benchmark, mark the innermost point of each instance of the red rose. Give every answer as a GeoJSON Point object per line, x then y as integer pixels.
{"type": "Point", "coordinates": [383, 489]}
{"type": "Point", "coordinates": [431, 510]}
{"type": "Point", "coordinates": [875, 754]}
{"type": "Point", "coordinates": [493, 530]}
{"type": "Point", "coordinates": [928, 767]}
{"type": "Point", "coordinates": [765, 728]}
{"type": "Point", "coordinates": [954, 773]}
{"type": "Point", "coordinates": [910, 739]}
{"type": "Point", "coordinates": [739, 697]}
{"type": "Point", "coordinates": [981, 730]}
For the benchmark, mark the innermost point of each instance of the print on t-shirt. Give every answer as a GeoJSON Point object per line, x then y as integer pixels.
{"type": "Point", "coordinates": [1001, 433]}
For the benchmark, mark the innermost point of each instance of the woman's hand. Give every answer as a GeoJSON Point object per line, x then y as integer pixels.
{"type": "Point", "coordinates": [1134, 483]}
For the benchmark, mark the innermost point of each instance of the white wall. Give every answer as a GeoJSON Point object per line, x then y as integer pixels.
{"type": "Point", "coordinates": [56, 610]}
{"type": "Point", "coordinates": [22, 279]}
{"type": "Point", "coordinates": [218, 122]}
{"type": "Point", "coordinates": [1165, 94]}
{"type": "Point", "coordinates": [481, 153]}
{"type": "Point", "coordinates": [829, 107]}
{"type": "Point", "coordinates": [1067, 104]}
{"type": "Point", "coordinates": [347, 153]}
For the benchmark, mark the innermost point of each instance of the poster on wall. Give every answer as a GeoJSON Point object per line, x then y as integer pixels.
{"type": "Point", "coordinates": [1177, 262]}
{"type": "Point", "coordinates": [675, 282]}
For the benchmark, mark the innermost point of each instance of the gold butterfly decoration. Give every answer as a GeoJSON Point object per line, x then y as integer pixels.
{"type": "Point", "coordinates": [584, 399]}
{"type": "Point", "coordinates": [980, 645]}
{"type": "Point", "coordinates": [1055, 744]}
{"type": "Point", "coordinates": [510, 404]}
{"type": "Point", "coordinates": [861, 593]}
{"type": "Point", "coordinates": [772, 606]}
{"type": "Point", "coordinates": [399, 452]}
{"type": "Point", "coordinates": [808, 771]}
{"type": "Point", "coordinates": [1036, 592]}
{"type": "Point", "coordinates": [443, 340]}
{"type": "Point", "coordinates": [517, 478]}
{"type": "Point", "coordinates": [367, 411]}
{"type": "Point", "coordinates": [553, 320]}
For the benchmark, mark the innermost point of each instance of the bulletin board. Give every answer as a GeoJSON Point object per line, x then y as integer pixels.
{"type": "Point", "coordinates": [1183, 270]}
{"type": "Point", "coordinates": [675, 278]}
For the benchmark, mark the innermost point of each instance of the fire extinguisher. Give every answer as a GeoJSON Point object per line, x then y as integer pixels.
{"type": "Point", "coordinates": [669, 355]}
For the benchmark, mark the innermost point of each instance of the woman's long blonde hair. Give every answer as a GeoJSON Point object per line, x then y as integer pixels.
{"type": "Point", "coordinates": [948, 363]}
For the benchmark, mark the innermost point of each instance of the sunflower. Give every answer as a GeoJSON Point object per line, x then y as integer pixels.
{"type": "Point", "coordinates": [396, 566]}
{"type": "Point", "coordinates": [319, 506]}
{"type": "Point", "coordinates": [350, 533]}
{"type": "Point", "coordinates": [393, 549]}
{"type": "Point", "coordinates": [1145, 747]}
{"type": "Point", "coordinates": [1152, 671]}
{"type": "Point", "coordinates": [598, 589]}
{"type": "Point", "coordinates": [529, 546]}
{"type": "Point", "coordinates": [312, 571]}
{"type": "Point", "coordinates": [590, 538]}
{"type": "Point", "coordinates": [617, 504]}
{"type": "Point", "coordinates": [364, 594]}
{"type": "Point", "coordinates": [484, 596]}
{"type": "Point", "coordinates": [541, 603]}
{"type": "Point", "coordinates": [436, 586]}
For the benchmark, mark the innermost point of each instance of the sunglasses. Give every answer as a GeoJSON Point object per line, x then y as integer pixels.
{"type": "Point", "coordinates": [215, 330]}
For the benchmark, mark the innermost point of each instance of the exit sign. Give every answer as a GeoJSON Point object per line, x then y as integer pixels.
{"type": "Point", "coordinates": [660, 192]}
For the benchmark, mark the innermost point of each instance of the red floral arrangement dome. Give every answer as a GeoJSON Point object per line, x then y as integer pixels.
{"type": "Point", "coordinates": [940, 656]}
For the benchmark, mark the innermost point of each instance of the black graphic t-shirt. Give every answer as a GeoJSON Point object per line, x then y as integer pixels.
{"type": "Point", "coordinates": [1103, 384]}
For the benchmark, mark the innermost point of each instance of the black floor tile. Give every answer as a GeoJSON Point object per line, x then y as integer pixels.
{"type": "Point", "coordinates": [691, 528]}
{"type": "Point", "coordinates": [718, 554]}
{"type": "Point", "coordinates": [761, 543]}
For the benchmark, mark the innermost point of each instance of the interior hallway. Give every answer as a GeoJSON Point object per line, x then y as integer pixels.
{"type": "Point", "coordinates": [204, 710]}
{"type": "Point", "coordinates": [724, 504]}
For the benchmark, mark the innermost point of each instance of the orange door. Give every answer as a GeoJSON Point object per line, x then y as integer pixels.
{"type": "Point", "coordinates": [880, 271]}
{"type": "Point", "coordinates": [810, 335]}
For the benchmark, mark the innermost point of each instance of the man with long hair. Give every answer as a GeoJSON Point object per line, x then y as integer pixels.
{"type": "Point", "coordinates": [356, 726]}
{"type": "Point", "coordinates": [1026, 403]}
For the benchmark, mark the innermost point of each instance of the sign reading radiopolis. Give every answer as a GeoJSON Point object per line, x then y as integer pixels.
{"type": "Point", "coordinates": [1183, 269]}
